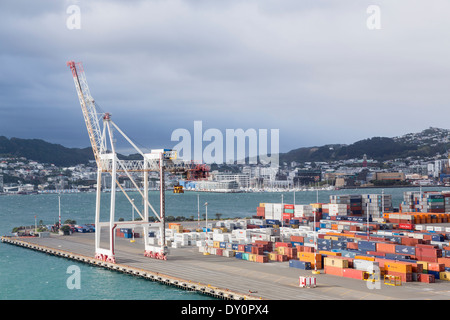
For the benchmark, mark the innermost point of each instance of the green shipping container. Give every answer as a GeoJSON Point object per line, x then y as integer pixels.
{"type": "Point", "coordinates": [288, 210]}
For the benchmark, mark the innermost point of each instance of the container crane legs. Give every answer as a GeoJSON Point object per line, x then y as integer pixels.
{"type": "Point", "coordinates": [108, 163]}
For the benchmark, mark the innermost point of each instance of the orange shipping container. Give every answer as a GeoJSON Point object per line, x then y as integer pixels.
{"type": "Point", "coordinates": [262, 258]}
{"type": "Point", "coordinates": [315, 259]}
{"type": "Point", "coordinates": [330, 253]}
{"type": "Point", "coordinates": [436, 267]}
{"type": "Point", "coordinates": [385, 247]}
{"type": "Point", "coordinates": [445, 261]}
{"type": "Point", "coordinates": [398, 267]}
{"type": "Point", "coordinates": [365, 258]}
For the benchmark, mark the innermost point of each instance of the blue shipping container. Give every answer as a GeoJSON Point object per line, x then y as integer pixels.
{"type": "Point", "coordinates": [300, 264]}
{"type": "Point", "coordinates": [405, 249]}
{"type": "Point", "coordinates": [367, 245]}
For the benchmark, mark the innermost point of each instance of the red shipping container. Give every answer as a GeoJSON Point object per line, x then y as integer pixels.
{"type": "Point", "coordinates": [333, 271]}
{"type": "Point", "coordinates": [353, 273]}
{"type": "Point", "coordinates": [405, 277]}
{"type": "Point", "coordinates": [436, 267]}
{"type": "Point", "coordinates": [406, 241]}
{"type": "Point", "coordinates": [406, 226]}
{"type": "Point", "coordinates": [281, 257]}
{"type": "Point", "coordinates": [427, 278]}
{"type": "Point", "coordinates": [288, 216]}
{"type": "Point", "coordinates": [297, 238]}
{"type": "Point", "coordinates": [261, 211]}
{"type": "Point", "coordinates": [257, 250]}
{"type": "Point", "coordinates": [352, 245]}
{"type": "Point", "coordinates": [241, 247]}
{"type": "Point", "coordinates": [289, 206]}
{"type": "Point", "coordinates": [283, 244]}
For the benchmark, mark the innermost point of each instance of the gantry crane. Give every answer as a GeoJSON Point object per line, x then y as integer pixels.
{"type": "Point", "coordinates": [159, 160]}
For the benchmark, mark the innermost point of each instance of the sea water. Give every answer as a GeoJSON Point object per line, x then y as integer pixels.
{"type": "Point", "coordinates": [30, 275]}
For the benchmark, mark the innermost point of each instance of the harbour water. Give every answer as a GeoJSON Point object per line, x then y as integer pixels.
{"type": "Point", "coordinates": [29, 275]}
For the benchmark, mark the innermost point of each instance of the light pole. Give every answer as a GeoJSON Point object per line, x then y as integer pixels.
{"type": "Point", "coordinates": [59, 210]}
{"type": "Point", "coordinates": [206, 211]}
{"type": "Point", "coordinates": [315, 271]}
{"type": "Point", "coordinates": [132, 218]}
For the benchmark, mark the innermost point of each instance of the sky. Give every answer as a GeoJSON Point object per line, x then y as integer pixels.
{"type": "Point", "coordinates": [319, 71]}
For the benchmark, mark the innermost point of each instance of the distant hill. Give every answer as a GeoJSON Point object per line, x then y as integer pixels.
{"type": "Point", "coordinates": [427, 143]}
{"type": "Point", "coordinates": [44, 152]}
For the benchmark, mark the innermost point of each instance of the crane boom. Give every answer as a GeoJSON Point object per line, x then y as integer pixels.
{"type": "Point", "coordinates": [89, 110]}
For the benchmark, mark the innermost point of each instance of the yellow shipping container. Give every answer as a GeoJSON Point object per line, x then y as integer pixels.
{"type": "Point", "coordinates": [335, 262]}
{"type": "Point", "coordinates": [331, 238]}
{"type": "Point", "coordinates": [444, 276]}
{"type": "Point", "coordinates": [252, 257]}
{"type": "Point", "coordinates": [262, 204]}
{"type": "Point", "coordinates": [424, 264]}
{"type": "Point", "coordinates": [316, 205]}
{"type": "Point", "coordinates": [272, 256]}
{"type": "Point", "coordinates": [216, 244]}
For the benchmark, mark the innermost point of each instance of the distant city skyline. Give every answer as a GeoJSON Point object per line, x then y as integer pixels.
{"type": "Point", "coordinates": [315, 70]}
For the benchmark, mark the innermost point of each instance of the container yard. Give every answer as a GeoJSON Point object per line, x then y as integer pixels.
{"type": "Point", "coordinates": [345, 255]}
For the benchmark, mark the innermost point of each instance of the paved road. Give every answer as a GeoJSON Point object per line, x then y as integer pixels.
{"type": "Point", "coordinates": [273, 280]}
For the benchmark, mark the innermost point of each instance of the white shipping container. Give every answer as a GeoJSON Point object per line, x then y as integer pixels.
{"type": "Point", "coordinates": [278, 215]}
{"type": "Point", "coordinates": [277, 207]}
{"type": "Point", "coordinates": [365, 265]}
{"type": "Point", "coordinates": [269, 215]}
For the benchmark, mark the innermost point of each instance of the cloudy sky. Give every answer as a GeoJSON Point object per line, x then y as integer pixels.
{"type": "Point", "coordinates": [312, 69]}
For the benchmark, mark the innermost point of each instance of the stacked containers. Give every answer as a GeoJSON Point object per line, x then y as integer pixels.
{"type": "Point", "coordinates": [435, 202]}
{"type": "Point", "coordinates": [427, 253]}
{"type": "Point", "coordinates": [446, 201]}
{"type": "Point", "coordinates": [268, 211]}
{"type": "Point", "coordinates": [261, 210]}
{"type": "Point", "coordinates": [355, 204]}
{"type": "Point", "coordinates": [302, 211]}
{"type": "Point", "coordinates": [314, 258]}
{"type": "Point", "coordinates": [277, 211]}
{"type": "Point", "coordinates": [288, 212]}
{"type": "Point", "coordinates": [336, 209]}
{"type": "Point", "coordinates": [376, 204]}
